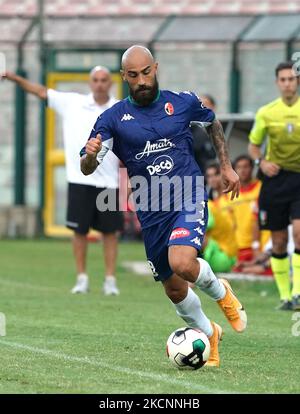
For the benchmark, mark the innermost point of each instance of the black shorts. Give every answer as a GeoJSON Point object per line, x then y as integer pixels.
{"type": "Point", "coordinates": [279, 200]}
{"type": "Point", "coordinates": [83, 214]}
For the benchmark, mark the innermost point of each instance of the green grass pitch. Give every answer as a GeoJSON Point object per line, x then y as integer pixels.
{"type": "Point", "coordinates": [62, 343]}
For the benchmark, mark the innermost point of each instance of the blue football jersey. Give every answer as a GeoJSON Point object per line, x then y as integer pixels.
{"type": "Point", "coordinates": [155, 141]}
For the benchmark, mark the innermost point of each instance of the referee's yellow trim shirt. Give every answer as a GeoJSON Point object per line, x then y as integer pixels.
{"type": "Point", "coordinates": [280, 124]}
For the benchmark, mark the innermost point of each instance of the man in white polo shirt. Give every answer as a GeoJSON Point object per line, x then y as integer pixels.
{"type": "Point", "coordinates": [78, 114]}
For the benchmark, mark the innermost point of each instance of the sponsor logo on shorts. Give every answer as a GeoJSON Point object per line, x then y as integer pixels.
{"type": "Point", "coordinates": [162, 165]}
{"type": "Point", "coordinates": [179, 233]}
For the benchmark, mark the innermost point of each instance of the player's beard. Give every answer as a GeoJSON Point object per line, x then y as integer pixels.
{"type": "Point", "coordinates": [144, 95]}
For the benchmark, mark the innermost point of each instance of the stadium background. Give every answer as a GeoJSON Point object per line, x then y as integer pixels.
{"type": "Point", "coordinates": [219, 47]}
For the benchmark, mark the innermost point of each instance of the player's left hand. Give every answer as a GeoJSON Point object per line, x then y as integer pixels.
{"type": "Point", "coordinates": [231, 182]}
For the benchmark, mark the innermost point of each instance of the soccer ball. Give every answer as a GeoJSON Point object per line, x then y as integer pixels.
{"type": "Point", "coordinates": [188, 348]}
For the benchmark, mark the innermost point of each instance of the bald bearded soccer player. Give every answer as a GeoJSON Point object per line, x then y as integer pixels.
{"type": "Point", "coordinates": [78, 114]}
{"type": "Point", "coordinates": [149, 132]}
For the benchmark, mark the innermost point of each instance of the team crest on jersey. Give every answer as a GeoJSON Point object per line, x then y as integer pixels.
{"type": "Point", "coordinates": [169, 108]}
{"type": "Point", "coordinates": [290, 128]}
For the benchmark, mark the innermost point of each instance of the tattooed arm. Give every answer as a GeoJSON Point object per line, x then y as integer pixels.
{"type": "Point", "coordinates": [231, 182]}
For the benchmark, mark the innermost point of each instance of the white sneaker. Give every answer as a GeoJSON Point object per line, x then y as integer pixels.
{"type": "Point", "coordinates": [82, 285]}
{"type": "Point", "coordinates": [110, 286]}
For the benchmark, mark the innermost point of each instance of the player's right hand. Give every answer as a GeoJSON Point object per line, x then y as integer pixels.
{"type": "Point", "coordinates": [93, 146]}
{"type": "Point", "coordinates": [231, 182]}
{"type": "Point", "coordinates": [269, 168]}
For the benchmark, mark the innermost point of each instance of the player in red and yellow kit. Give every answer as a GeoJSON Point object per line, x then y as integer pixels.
{"type": "Point", "coordinates": [221, 247]}
{"type": "Point", "coordinates": [250, 239]}
{"type": "Point", "coordinates": [242, 212]}
{"type": "Point", "coordinates": [220, 244]}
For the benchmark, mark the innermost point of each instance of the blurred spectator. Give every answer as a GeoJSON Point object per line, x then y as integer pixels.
{"type": "Point", "coordinates": [213, 180]}
{"type": "Point", "coordinates": [220, 245]}
{"type": "Point", "coordinates": [250, 239]}
{"type": "Point", "coordinates": [203, 147]}
{"type": "Point", "coordinates": [243, 215]}
{"type": "Point", "coordinates": [262, 263]}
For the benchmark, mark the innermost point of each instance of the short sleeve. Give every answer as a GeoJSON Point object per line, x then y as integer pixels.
{"type": "Point", "coordinates": [59, 101]}
{"type": "Point", "coordinates": [258, 132]}
{"type": "Point", "coordinates": [197, 111]}
{"type": "Point", "coordinates": [102, 126]}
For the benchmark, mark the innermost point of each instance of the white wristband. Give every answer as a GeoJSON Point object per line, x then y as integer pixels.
{"type": "Point", "coordinates": [101, 154]}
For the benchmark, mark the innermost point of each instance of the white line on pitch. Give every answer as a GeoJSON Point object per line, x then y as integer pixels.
{"type": "Point", "coordinates": [124, 370]}
{"type": "Point", "coordinates": [22, 285]}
